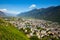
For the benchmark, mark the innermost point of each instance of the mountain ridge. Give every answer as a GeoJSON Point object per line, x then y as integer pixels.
{"type": "Point", "coordinates": [2, 13]}
{"type": "Point", "coordinates": [50, 13]}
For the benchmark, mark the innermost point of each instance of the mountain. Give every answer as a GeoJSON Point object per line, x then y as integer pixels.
{"type": "Point", "coordinates": [7, 14]}
{"type": "Point", "coordinates": [9, 32]}
{"type": "Point", "coordinates": [2, 13]}
{"type": "Point", "coordinates": [11, 14]}
{"type": "Point", "coordinates": [51, 13]}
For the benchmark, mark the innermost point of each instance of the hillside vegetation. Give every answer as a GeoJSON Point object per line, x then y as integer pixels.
{"type": "Point", "coordinates": [9, 32]}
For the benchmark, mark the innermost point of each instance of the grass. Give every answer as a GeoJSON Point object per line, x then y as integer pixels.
{"type": "Point", "coordinates": [9, 32]}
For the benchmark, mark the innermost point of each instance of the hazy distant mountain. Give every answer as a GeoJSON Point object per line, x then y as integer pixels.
{"type": "Point", "coordinates": [50, 13]}
{"type": "Point", "coordinates": [11, 14]}
{"type": "Point", "coordinates": [2, 13]}
{"type": "Point", "coordinates": [6, 14]}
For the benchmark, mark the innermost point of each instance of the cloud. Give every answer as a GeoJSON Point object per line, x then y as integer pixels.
{"type": "Point", "coordinates": [9, 11]}
{"type": "Point", "coordinates": [4, 10]}
{"type": "Point", "coordinates": [32, 6]}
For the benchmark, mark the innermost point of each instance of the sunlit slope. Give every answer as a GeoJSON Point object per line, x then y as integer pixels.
{"type": "Point", "coordinates": [9, 32]}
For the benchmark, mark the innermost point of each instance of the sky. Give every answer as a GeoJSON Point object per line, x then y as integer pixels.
{"type": "Point", "coordinates": [18, 6]}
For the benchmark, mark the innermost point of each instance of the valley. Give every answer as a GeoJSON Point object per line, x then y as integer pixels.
{"type": "Point", "coordinates": [20, 23]}
{"type": "Point", "coordinates": [38, 28]}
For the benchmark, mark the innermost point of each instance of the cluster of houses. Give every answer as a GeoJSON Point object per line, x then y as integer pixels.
{"type": "Point", "coordinates": [39, 28]}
